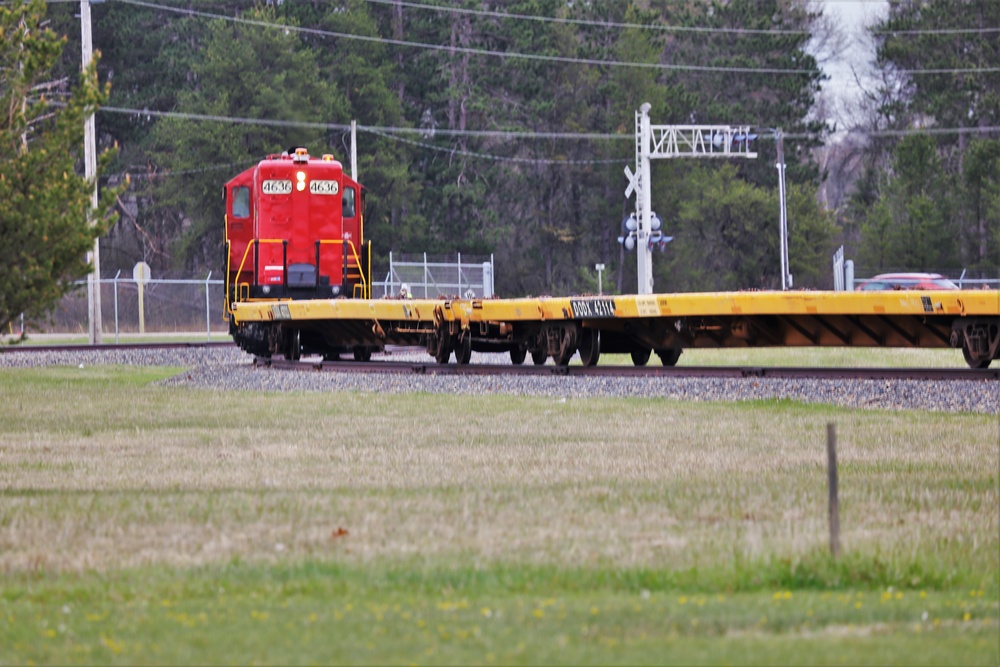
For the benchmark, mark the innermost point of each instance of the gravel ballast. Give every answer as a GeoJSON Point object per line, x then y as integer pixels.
{"type": "Point", "coordinates": [229, 369]}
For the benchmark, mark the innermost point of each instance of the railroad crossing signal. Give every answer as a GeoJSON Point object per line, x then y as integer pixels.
{"type": "Point", "coordinates": [656, 239]}
{"type": "Point", "coordinates": [670, 141]}
{"type": "Point", "coordinates": [633, 182]}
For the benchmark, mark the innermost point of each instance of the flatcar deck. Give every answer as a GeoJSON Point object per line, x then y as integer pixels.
{"type": "Point", "coordinates": [558, 327]}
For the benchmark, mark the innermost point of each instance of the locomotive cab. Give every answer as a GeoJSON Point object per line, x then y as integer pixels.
{"type": "Point", "coordinates": [295, 230]}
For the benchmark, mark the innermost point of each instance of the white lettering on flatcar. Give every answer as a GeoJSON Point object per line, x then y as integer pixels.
{"type": "Point", "coordinates": [324, 187]}
{"type": "Point", "coordinates": [276, 187]}
{"type": "Point", "coordinates": [592, 308]}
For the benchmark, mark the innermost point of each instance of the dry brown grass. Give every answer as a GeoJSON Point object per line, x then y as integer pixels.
{"type": "Point", "coordinates": [128, 474]}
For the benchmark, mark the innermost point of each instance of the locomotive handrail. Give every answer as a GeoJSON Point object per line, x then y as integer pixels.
{"type": "Point", "coordinates": [245, 287]}
{"type": "Point", "coordinates": [365, 290]}
{"type": "Point", "coordinates": [240, 286]}
{"type": "Point", "coordinates": [227, 307]}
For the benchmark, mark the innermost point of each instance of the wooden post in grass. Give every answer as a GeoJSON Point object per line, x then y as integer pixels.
{"type": "Point", "coordinates": [831, 456]}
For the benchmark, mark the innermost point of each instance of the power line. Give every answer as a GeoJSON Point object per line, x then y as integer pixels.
{"type": "Point", "coordinates": [523, 56]}
{"type": "Point", "coordinates": [140, 175]}
{"type": "Point", "coordinates": [513, 134]}
{"type": "Point", "coordinates": [496, 134]}
{"type": "Point", "coordinates": [471, 51]}
{"type": "Point", "coordinates": [591, 23]}
{"type": "Point", "coordinates": [937, 31]}
{"type": "Point", "coordinates": [487, 156]}
{"type": "Point", "coordinates": [660, 27]}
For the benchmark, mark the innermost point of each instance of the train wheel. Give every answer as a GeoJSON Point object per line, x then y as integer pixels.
{"type": "Point", "coordinates": [538, 356]}
{"type": "Point", "coordinates": [443, 351]}
{"type": "Point", "coordinates": [517, 355]}
{"type": "Point", "coordinates": [669, 356]}
{"type": "Point", "coordinates": [293, 345]}
{"type": "Point", "coordinates": [362, 354]}
{"type": "Point", "coordinates": [640, 357]}
{"type": "Point", "coordinates": [590, 347]}
{"type": "Point", "coordinates": [975, 362]}
{"type": "Point", "coordinates": [463, 351]}
{"type": "Point", "coordinates": [567, 347]}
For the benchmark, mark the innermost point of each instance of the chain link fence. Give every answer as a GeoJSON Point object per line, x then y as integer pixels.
{"type": "Point", "coordinates": [435, 276]}
{"type": "Point", "coordinates": [162, 305]}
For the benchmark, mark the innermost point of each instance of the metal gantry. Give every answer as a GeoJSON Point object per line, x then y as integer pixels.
{"type": "Point", "coordinates": [673, 141]}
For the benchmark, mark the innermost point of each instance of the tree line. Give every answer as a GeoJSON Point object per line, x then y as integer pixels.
{"type": "Point", "coordinates": [493, 131]}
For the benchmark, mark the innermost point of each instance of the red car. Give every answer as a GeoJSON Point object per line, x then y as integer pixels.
{"type": "Point", "coordinates": [905, 281]}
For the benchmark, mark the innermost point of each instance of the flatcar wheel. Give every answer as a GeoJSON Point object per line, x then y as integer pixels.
{"type": "Point", "coordinates": [362, 354]}
{"type": "Point", "coordinates": [590, 347]}
{"type": "Point", "coordinates": [293, 345]}
{"type": "Point", "coordinates": [567, 347]}
{"type": "Point", "coordinates": [975, 362]}
{"type": "Point", "coordinates": [539, 356]}
{"type": "Point", "coordinates": [463, 351]}
{"type": "Point", "coordinates": [640, 357]}
{"type": "Point", "coordinates": [669, 356]}
{"type": "Point", "coordinates": [517, 355]}
{"type": "Point", "coordinates": [443, 352]}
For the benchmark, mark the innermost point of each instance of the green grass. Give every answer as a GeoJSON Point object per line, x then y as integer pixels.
{"type": "Point", "coordinates": [379, 614]}
{"type": "Point", "coordinates": [147, 524]}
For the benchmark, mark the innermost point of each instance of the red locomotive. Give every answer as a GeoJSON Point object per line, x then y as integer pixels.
{"type": "Point", "coordinates": [294, 230]}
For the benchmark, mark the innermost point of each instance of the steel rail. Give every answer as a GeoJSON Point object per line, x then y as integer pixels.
{"type": "Point", "coordinates": [110, 347]}
{"type": "Point", "coordinates": [815, 373]}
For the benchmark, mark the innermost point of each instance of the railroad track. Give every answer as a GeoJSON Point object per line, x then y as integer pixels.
{"type": "Point", "coordinates": [389, 366]}
{"type": "Point", "coordinates": [431, 368]}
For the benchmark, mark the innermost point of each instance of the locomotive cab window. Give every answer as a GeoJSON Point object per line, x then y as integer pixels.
{"type": "Point", "coordinates": [348, 203]}
{"type": "Point", "coordinates": [241, 202]}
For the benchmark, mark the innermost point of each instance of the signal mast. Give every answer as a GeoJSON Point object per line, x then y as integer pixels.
{"type": "Point", "coordinates": [642, 229]}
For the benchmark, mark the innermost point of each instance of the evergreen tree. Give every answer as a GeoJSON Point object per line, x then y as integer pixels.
{"type": "Point", "coordinates": [45, 207]}
{"type": "Point", "coordinates": [241, 71]}
{"type": "Point", "coordinates": [911, 227]}
{"type": "Point", "coordinates": [938, 58]}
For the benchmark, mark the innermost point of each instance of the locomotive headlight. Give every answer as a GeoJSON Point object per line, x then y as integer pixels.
{"type": "Point", "coordinates": [300, 177]}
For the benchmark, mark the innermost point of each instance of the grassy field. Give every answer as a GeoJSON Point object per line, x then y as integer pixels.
{"type": "Point", "coordinates": [145, 524]}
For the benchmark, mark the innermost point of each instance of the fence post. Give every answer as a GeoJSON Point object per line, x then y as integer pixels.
{"type": "Point", "coordinates": [208, 309]}
{"type": "Point", "coordinates": [426, 277]}
{"type": "Point", "coordinates": [831, 456]}
{"type": "Point", "coordinates": [459, 275]}
{"type": "Point", "coordinates": [142, 299]}
{"type": "Point", "coordinates": [487, 280]}
{"type": "Point", "coordinates": [116, 305]}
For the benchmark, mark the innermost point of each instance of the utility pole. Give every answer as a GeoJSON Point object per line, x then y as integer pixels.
{"type": "Point", "coordinates": [671, 141]}
{"type": "Point", "coordinates": [354, 149]}
{"type": "Point", "coordinates": [94, 325]}
{"type": "Point", "coordinates": [786, 277]}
